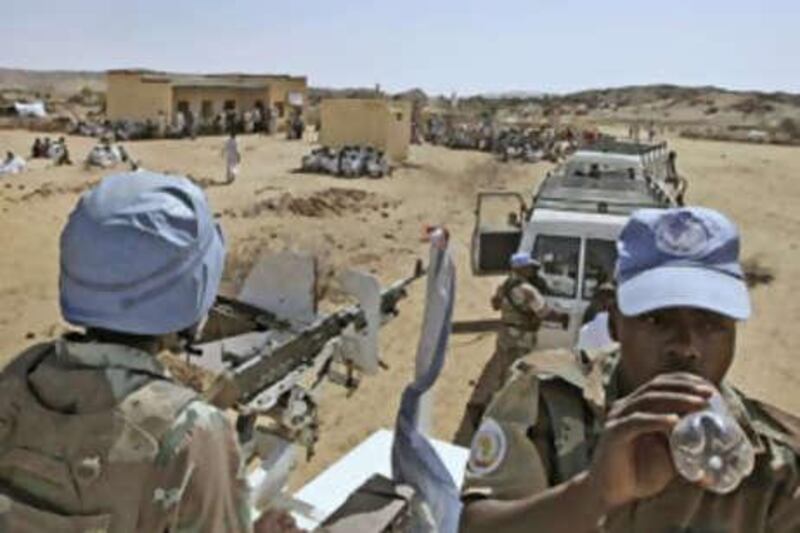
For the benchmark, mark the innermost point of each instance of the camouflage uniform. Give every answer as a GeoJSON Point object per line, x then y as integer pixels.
{"type": "Point", "coordinates": [95, 437]}
{"type": "Point", "coordinates": [541, 429]}
{"type": "Point", "coordinates": [521, 310]}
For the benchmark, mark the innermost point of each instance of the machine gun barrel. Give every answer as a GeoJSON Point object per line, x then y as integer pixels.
{"type": "Point", "coordinates": [266, 369]}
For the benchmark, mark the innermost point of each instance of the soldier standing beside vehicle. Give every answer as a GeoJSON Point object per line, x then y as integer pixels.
{"type": "Point", "coordinates": [94, 433]}
{"type": "Point", "coordinates": [565, 450]}
{"type": "Point", "coordinates": [522, 309]}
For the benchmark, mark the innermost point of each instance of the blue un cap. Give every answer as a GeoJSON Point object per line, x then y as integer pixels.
{"type": "Point", "coordinates": [687, 257]}
{"type": "Point", "coordinates": [522, 260]}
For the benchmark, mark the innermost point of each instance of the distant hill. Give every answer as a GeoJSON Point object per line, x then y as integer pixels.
{"type": "Point", "coordinates": [643, 94]}
{"type": "Point", "coordinates": [56, 83]}
{"type": "Point", "coordinates": [507, 95]}
{"type": "Point", "coordinates": [67, 82]}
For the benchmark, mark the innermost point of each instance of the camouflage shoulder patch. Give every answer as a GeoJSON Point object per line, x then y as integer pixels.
{"type": "Point", "coordinates": [488, 449]}
{"type": "Point", "coordinates": [196, 415]}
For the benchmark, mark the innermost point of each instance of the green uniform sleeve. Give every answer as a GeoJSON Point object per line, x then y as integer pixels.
{"type": "Point", "coordinates": [507, 459]}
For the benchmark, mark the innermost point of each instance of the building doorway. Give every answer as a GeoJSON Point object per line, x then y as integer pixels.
{"type": "Point", "coordinates": [207, 109]}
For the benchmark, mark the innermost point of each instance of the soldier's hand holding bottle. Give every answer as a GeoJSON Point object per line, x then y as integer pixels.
{"type": "Point", "coordinates": [632, 460]}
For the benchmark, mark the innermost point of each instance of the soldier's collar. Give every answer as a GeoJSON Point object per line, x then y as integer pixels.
{"type": "Point", "coordinates": [735, 403]}
{"type": "Point", "coordinates": [104, 355]}
{"type": "Point", "coordinates": [602, 383]}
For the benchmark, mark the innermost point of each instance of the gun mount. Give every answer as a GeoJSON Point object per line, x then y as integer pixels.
{"type": "Point", "coordinates": [270, 348]}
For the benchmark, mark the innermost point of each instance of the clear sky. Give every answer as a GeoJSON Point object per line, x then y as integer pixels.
{"type": "Point", "coordinates": [466, 46]}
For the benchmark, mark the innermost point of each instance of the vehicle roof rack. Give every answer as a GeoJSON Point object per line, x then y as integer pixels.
{"type": "Point", "coordinates": [612, 192]}
{"type": "Point", "coordinates": [617, 146]}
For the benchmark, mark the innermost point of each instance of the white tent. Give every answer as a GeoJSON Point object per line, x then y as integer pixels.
{"type": "Point", "coordinates": [35, 109]}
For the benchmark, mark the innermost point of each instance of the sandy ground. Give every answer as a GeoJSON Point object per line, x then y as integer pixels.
{"type": "Point", "coordinates": [380, 232]}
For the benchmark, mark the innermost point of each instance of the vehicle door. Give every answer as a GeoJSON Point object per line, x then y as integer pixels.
{"type": "Point", "coordinates": [497, 232]}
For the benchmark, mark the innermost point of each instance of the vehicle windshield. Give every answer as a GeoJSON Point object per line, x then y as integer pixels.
{"type": "Point", "coordinates": [601, 255]}
{"type": "Point", "coordinates": [589, 169]}
{"type": "Point", "coordinates": [559, 258]}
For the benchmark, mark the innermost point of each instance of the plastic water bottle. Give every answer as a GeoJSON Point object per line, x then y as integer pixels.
{"type": "Point", "coordinates": [711, 449]}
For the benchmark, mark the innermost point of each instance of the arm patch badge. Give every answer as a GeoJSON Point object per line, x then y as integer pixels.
{"type": "Point", "coordinates": [488, 448]}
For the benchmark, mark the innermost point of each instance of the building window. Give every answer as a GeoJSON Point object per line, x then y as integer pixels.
{"type": "Point", "coordinates": [279, 107]}
{"type": "Point", "coordinates": [183, 106]}
{"type": "Point", "coordinates": [399, 117]}
{"type": "Point", "coordinates": [207, 109]}
{"type": "Point", "coordinates": [230, 105]}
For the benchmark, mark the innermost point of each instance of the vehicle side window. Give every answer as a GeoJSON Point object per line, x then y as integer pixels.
{"type": "Point", "coordinates": [601, 255]}
{"type": "Point", "coordinates": [559, 258]}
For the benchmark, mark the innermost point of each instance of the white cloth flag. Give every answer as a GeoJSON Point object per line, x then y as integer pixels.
{"type": "Point", "coordinates": [414, 460]}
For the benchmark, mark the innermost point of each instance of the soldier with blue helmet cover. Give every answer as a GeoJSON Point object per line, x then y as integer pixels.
{"type": "Point", "coordinates": [94, 433]}
{"type": "Point", "coordinates": [522, 307]}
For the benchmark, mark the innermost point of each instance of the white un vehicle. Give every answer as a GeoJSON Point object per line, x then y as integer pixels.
{"type": "Point", "coordinates": [575, 217]}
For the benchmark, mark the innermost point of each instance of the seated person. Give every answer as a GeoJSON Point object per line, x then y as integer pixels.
{"type": "Point", "coordinates": [36, 150]}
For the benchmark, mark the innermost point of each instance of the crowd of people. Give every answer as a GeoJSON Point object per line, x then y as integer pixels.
{"type": "Point", "coordinates": [187, 124]}
{"type": "Point", "coordinates": [57, 150]}
{"type": "Point", "coordinates": [521, 143]}
{"type": "Point", "coordinates": [347, 162]}
{"type": "Point", "coordinates": [107, 154]}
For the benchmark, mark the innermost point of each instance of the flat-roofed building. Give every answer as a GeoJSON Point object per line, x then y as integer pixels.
{"type": "Point", "coordinates": [139, 94]}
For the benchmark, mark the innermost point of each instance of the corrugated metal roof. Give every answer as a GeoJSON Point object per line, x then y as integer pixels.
{"type": "Point", "coordinates": [222, 81]}
{"type": "Point", "coordinates": [242, 75]}
{"type": "Point", "coordinates": [218, 83]}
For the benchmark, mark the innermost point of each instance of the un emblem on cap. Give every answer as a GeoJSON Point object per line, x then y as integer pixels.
{"type": "Point", "coordinates": [685, 257]}
{"type": "Point", "coordinates": [682, 234]}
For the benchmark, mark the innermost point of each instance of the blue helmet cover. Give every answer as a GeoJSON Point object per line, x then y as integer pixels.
{"type": "Point", "coordinates": [140, 254]}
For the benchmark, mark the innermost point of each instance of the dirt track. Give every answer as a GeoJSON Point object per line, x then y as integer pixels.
{"type": "Point", "coordinates": [376, 225]}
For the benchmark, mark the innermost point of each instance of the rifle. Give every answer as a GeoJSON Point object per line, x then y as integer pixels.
{"type": "Point", "coordinates": [252, 376]}
{"type": "Point", "coordinates": [262, 360]}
